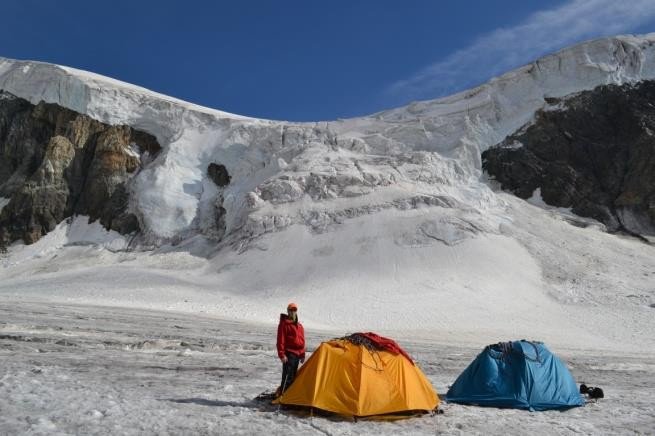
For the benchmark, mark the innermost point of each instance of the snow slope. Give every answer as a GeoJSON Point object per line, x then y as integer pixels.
{"type": "Point", "coordinates": [378, 223]}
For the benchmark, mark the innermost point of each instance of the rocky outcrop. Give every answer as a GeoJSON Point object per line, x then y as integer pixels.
{"type": "Point", "coordinates": [219, 175]}
{"type": "Point", "coordinates": [593, 152]}
{"type": "Point", "coordinates": [216, 228]}
{"type": "Point", "coordinates": [55, 163]}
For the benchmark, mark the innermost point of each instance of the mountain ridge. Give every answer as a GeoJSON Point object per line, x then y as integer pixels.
{"type": "Point", "coordinates": [385, 222]}
{"type": "Point", "coordinates": [281, 158]}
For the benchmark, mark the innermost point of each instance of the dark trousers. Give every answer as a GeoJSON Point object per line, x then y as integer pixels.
{"type": "Point", "coordinates": [289, 370]}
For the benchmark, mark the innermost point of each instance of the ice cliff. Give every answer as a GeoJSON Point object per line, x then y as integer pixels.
{"type": "Point", "coordinates": [231, 178]}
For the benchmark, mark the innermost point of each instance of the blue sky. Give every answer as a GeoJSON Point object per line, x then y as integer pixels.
{"type": "Point", "coordinates": [307, 60]}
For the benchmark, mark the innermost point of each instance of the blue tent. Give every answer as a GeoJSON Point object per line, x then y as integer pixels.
{"type": "Point", "coordinates": [521, 374]}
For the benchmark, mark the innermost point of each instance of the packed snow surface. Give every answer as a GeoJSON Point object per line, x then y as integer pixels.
{"type": "Point", "coordinates": [381, 223]}
{"type": "Point", "coordinates": [70, 369]}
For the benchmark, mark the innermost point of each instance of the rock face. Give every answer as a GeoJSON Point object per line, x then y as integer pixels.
{"type": "Point", "coordinates": [218, 173]}
{"type": "Point", "coordinates": [593, 152]}
{"type": "Point", "coordinates": [55, 163]}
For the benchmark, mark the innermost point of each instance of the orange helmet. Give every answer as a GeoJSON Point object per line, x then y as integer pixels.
{"type": "Point", "coordinates": [292, 306]}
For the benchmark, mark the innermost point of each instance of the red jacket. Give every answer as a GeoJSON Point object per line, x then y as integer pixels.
{"type": "Point", "coordinates": [290, 337]}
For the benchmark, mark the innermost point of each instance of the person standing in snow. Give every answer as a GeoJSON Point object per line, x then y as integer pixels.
{"type": "Point", "coordinates": [290, 345]}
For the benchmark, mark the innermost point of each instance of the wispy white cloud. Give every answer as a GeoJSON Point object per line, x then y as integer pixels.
{"type": "Point", "coordinates": [506, 48]}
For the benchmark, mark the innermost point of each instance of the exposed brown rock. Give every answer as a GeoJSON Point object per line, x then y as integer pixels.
{"type": "Point", "coordinates": [55, 163]}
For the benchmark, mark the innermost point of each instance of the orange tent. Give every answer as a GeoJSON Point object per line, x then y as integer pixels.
{"type": "Point", "coordinates": [356, 380]}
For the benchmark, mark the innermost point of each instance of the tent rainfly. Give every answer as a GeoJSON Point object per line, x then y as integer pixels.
{"type": "Point", "coordinates": [519, 374]}
{"type": "Point", "coordinates": [361, 375]}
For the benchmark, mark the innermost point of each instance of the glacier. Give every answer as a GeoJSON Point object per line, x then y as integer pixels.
{"type": "Point", "coordinates": [372, 212]}
{"type": "Point", "coordinates": [432, 147]}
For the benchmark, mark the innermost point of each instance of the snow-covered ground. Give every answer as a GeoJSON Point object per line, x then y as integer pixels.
{"type": "Point", "coordinates": [69, 369]}
{"type": "Point", "coordinates": [96, 341]}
